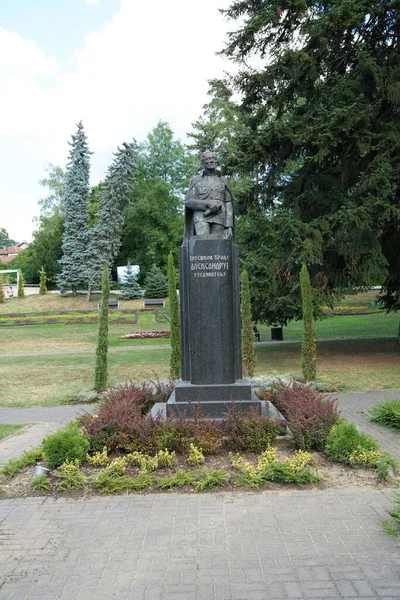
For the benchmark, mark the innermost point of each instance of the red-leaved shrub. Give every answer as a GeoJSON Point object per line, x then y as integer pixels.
{"type": "Point", "coordinates": [310, 414]}
{"type": "Point", "coordinates": [250, 431]}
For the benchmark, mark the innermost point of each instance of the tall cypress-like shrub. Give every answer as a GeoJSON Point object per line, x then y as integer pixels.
{"type": "Point", "coordinates": [1, 290]}
{"type": "Point", "coordinates": [248, 357]}
{"type": "Point", "coordinates": [308, 348]}
{"type": "Point", "coordinates": [43, 281]}
{"type": "Point", "coordinates": [101, 372]}
{"type": "Point", "coordinates": [173, 308]}
{"type": "Point", "coordinates": [21, 282]}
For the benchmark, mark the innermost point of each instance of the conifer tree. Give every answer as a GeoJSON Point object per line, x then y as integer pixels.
{"type": "Point", "coordinates": [308, 348]}
{"type": "Point", "coordinates": [2, 297]}
{"type": "Point", "coordinates": [105, 235]}
{"type": "Point", "coordinates": [130, 288]}
{"type": "Point", "coordinates": [248, 357]}
{"type": "Point", "coordinates": [21, 283]}
{"type": "Point", "coordinates": [43, 280]}
{"type": "Point", "coordinates": [155, 283]}
{"type": "Point", "coordinates": [173, 308]}
{"type": "Point", "coordinates": [76, 202]}
{"type": "Point", "coordinates": [101, 371]}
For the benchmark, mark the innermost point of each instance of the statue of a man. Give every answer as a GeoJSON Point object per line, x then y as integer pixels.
{"type": "Point", "coordinates": [209, 203]}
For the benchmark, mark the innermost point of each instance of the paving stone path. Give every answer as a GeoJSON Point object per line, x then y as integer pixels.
{"type": "Point", "coordinates": [296, 544]}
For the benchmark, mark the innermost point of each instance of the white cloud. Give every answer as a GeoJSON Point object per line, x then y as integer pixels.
{"type": "Point", "coordinates": [93, 1]}
{"type": "Point", "coordinates": [150, 62]}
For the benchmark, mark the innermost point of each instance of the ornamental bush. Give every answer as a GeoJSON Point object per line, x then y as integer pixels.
{"type": "Point", "coordinates": [249, 432]}
{"type": "Point", "coordinates": [65, 444]}
{"type": "Point", "coordinates": [344, 440]}
{"type": "Point", "coordinates": [310, 414]}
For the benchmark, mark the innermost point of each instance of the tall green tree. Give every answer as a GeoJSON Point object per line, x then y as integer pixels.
{"type": "Point", "coordinates": [248, 357]}
{"type": "Point", "coordinates": [308, 348]}
{"type": "Point", "coordinates": [21, 283]}
{"type": "Point", "coordinates": [173, 308]}
{"type": "Point", "coordinates": [101, 368]}
{"type": "Point", "coordinates": [5, 239]}
{"type": "Point", "coordinates": [321, 110]}
{"type": "Point", "coordinates": [76, 204]}
{"type": "Point", "coordinates": [105, 235]}
{"type": "Point", "coordinates": [156, 285]}
{"type": "Point", "coordinates": [55, 183]}
{"type": "Point", "coordinates": [130, 288]}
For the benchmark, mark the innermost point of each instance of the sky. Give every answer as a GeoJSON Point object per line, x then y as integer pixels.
{"type": "Point", "coordinates": [120, 66]}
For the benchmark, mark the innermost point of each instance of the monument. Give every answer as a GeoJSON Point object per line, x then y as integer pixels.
{"type": "Point", "coordinates": [210, 303]}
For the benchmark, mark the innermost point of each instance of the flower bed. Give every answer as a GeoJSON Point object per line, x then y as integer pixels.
{"type": "Point", "coordinates": [146, 334]}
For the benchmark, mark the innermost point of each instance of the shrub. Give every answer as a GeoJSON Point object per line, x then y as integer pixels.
{"type": "Point", "coordinates": [387, 413]}
{"type": "Point", "coordinates": [65, 444]}
{"type": "Point", "coordinates": [310, 414]}
{"type": "Point", "coordinates": [116, 468]}
{"type": "Point", "coordinates": [16, 465]}
{"type": "Point", "coordinates": [210, 479]}
{"type": "Point", "coordinates": [344, 439]}
{"type": "Point", "coordinates": [165, 458]}
{"type": "Point", "coordinates": [249, 432]}
{"type": "Point", "coordinates": [360, 457]}
{"type": "Point", "coordinates": [99, 459]}
{"type": "Point", "coordinates": [178, 479]}
{"type": "Point", "coordinates": [175, 433]}
{"type": "Point", "coordinates": [196, 457]}
{"type": "Point", "coordinates": [41, 483]}
{"type": "Point", "coordinates": [111, 485]}
{"type": "Point", "coordinates": [69, 476]}
{"type": "Point", "coordinates": [392, 526]}
{"type": "Point", "coordinates": [120, 422]}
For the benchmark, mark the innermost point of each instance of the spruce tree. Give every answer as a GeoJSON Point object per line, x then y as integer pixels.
{"type": "Point", "coordinates": [2, 297]}
{"type": "Point", "coordinates": [155, 283]}
{"type": "Point", "coordinates": [43, 280]}
{"type": "Point", "coordinates": [105, 235]}
{"type": "Point", "coordinates": [21, 282]}
{"type": "Point", "coordinates": [101, 372]}
{"type": "Point", "coordinates": [248, 357]}
{"type": "Point", "coordinates": [130, 288]}
{"type": "Point", "coordinates": [173, 308]}
{"type": "Point", "coordinates": [308, 348]}
{"type": "Point", "coordinates": [76, 201]}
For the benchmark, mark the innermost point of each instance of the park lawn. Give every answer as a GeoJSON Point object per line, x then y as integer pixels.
{"type": "Point", "coordinates": [7, 429]}
{"type": "Point", "coordinates": [54, 379]}
{"type": "Point", "coordinates": [377, 324]}
{"type": "Point", "coordinates": [55, 302]}
{"type": "Point", "coordinates": [364, 365]}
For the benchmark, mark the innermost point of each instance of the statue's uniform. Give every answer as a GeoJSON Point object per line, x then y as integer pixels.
{"type": "Point", "coordinates": [210, 190]}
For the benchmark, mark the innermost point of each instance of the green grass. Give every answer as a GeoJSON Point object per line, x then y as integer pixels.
{"type": "Point", "coordinates": [7, 429]}
{"type": "Point", "coordinates": [387, 413]}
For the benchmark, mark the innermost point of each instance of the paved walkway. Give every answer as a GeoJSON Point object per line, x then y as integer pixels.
{"type": "Point", "coordinates": [300, 544]}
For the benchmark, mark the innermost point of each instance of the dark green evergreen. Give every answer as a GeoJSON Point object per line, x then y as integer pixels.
{"type": "Point", "coordinates": [173, 309]}
{"type": "Point", "coordinates": [76, 204]}
{"type": "Point", "coordinates": [130, 288]}
{"type": "Point", "coordinates": [308, 348]}
{"type": "Point", "coordinates": [43, 282]}
{"type": "Point", "coordinates": [155, 283]}
{"type": "Point", "coordinates": [322, 133]}
{"type": "Point", "coordinates": [114, 195]}
{"type": "Point", "coordinates": [101, 370]}
{"type": "Point", "coordinates": [248, 357]}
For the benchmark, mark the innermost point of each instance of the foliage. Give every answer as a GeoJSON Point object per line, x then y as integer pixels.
{"type": "Point", "coordinates": [211, 479]}
{"type": "Point", "coordinates": [360, 457]}
{"type": "Point", "coordinates": [249, 432]}
{"type": "Point", "coordinates": [248, 356]}
{"type": "Point", "coordinates": [308, 348]}
{"type": "Point", "coordinates": [99, 459]}
{"type": "Point", "coordinates": [115, 485]}
{"type": "Point", "coordinates": [155, 283]}
{"type": "Point", "coordinates": [392, 525]}
{"type": "Point", "coordinates": [41, 483]}
{"type": "Point", "coordinates": [196, 457]}
{"type": "Point", "coordinates": [55, 182]}
{"type": "Point", "coordinates": [43, 280]}
{"type": "Point", "coordinates": [21, 283]}
{"type": "Point", "coordinates": [115, 194]}
{"type": "Point", "coordinates": [387, 413]}
{"type": "Point", "coordinates": [173, 308]}
{"type": "Point", "coordinates": [1, 290]}
{"type": "Point", "coordinates": [116, 468]}
{"type": "Point", "coordinates": [5, 239]}
{"type": "Point", "coordinates": [65, 444]}
{"type": "Point", "coordinates": [130, 288]}
{"type": "Point", "coordinates": [16, 465]}
{"type": "Point", "coordinates": [178, 479]}
{"type": "Point", "coordinates": [76, 203]}
{"type": "Point", "coordinates": [310, 414]}
{"type": "Point", "coordinates": [165, 458]}
{"type": "Point", "coordinates": [101, 370]}
{"type": "Point", "coordinates": [69, 476]}
{"type": "Point", "coordinates": [344, 439]}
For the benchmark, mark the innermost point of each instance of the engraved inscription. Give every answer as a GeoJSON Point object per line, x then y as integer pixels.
{"type": "Point", "coordinates": [214, 265]}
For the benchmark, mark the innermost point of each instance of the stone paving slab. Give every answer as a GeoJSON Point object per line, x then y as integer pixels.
{"type": "Point", "coordinates": [269, 546]}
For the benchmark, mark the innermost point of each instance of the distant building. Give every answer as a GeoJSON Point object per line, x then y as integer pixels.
{"type": "Point", "coordinates": [8, 253]}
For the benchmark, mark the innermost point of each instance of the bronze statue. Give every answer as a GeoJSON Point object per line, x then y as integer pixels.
{"type": "Point", "coordinates": [209, 203]}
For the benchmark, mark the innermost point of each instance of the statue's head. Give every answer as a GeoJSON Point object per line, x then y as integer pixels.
{"type": "Point", "coordinates": [209, 161]}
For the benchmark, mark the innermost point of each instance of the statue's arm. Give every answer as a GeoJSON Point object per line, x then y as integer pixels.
{"type": "Point", "coordinates": [191, 201]}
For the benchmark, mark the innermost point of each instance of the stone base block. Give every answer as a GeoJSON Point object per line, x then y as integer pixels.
{"type": "Point", "coordinates": [240, 391]}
